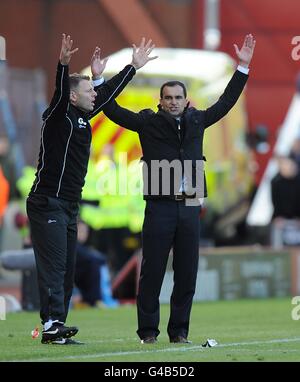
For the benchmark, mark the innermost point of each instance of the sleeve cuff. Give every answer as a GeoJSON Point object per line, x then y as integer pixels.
{"type": "Point", "coordinates": [242, 69]}
{"type": "Point", "coordinates": [98, 82]}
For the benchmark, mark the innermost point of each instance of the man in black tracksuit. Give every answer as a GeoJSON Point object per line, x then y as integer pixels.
{"type": "Point", "coordinates": [52, 205]}
{"type": "Point", "coordinates": [174, 135]}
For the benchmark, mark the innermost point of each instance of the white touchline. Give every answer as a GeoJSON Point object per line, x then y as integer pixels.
{"type": "Point", "coordinates": [171, 349]}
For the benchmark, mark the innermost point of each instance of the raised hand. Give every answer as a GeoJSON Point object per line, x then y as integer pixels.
{"type": "Point", "coordinates": [140, 54]}
{"type": "Point", "coordinates": [246, 52]}
{"type": "Point", "coordinates": [97, 65]}
{"type": "Point", "coordinates": [66, 50]}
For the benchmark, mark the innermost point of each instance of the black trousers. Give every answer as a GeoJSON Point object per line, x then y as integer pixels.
{"type": "Point", "coordinates": [53, 224]}
{"type": "Point", "coordinates": [167, 224]}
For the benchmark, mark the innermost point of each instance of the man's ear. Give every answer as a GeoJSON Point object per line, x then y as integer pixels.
{"type": "Point", "coordinates": [73, 96]}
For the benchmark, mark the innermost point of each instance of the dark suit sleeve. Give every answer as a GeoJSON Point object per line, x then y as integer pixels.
{"type": "Point", "coordinates": [110, 89]}
{"type": "Point", "coordinates": [123, 117]}
{"type": "Point", "coordinates": [227, 100]}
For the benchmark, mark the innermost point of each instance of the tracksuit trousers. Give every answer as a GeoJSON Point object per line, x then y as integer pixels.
{"type": "Point", "coordinates": [168, 223]}
{"type": "Point", "coordinates": [53, 225]}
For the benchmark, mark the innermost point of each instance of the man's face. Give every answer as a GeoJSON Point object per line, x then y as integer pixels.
{"type": "Point", "coordinates": [173, 100]}
{"type": "Point", "coordinates": [83, 96]}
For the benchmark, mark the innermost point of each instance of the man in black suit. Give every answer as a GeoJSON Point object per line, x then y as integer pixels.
{"type": "Point", "coordinates": [172, 138]}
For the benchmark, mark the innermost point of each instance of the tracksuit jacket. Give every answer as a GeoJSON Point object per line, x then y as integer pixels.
{"type": "Point", "coordinates": [66, 137]}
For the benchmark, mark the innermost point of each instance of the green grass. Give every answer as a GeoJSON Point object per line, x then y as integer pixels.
{"type": "Point", "coordinates": [246, 330]}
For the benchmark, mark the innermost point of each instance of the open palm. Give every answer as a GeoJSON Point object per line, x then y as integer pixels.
{"type": "Point", "coordinates": [66, 50]}
{"type": "Point", "coordinates": [97, 64]}
{"type": "Point", "coordinates": [246, 52]}
{"type": "Point", "coordinates": [140, 54]}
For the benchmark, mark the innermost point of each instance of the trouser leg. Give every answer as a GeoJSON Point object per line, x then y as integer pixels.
{"type": "Point", "coordinates": [70, 263]}
{"type": "Point", "coordinates": [185, 265]}
{"type": "Point", "coordinates": [158, 234]}
{"type": "Point", "coordinates": [49, 239]}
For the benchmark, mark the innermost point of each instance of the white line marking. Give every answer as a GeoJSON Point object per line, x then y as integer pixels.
{"type": "Point", "coordinates": [175, 348]}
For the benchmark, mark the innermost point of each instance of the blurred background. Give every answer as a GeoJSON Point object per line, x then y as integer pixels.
{"type": "Point", "coordinates": [250, 223]}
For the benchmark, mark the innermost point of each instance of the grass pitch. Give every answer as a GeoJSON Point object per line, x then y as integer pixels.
{"type": "Point", "coordinates": [246, 330]}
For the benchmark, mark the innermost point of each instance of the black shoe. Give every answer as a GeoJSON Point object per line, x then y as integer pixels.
{"type": "Point", "coordinates": [65, 341]}
{"type": "Point", "coordinates": [58, 331]}
{"type": "Point", "coordinates": [180, 340]}
{"type": "Point", "coordinates": [149, 340]}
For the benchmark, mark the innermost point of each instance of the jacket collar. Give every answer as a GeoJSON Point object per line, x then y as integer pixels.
{"type": "Point", "coordinates": [170, 119]}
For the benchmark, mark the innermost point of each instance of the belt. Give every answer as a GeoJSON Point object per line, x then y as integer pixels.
{"type": "Point", "coordinates": [179, 197]}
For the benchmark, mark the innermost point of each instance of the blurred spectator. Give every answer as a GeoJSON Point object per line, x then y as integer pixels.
{"type": "Point", "coordinates": [285, 191]}
{"type": "Point", "coordinates": [295, 152]}
{"type": "Point", "coordinates": [105, 208]}
{"type": "Point", "coordinates": [258, 139]}
{"type": "Point", "coordinates": [92, 274]}
{"type": "Point", "coordinates": [4, 193]}
{"type": "Point", "coordinates": [8, 165]}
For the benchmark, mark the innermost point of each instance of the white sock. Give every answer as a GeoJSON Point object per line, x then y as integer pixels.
{"type": "Point", "coordinates": [48, 324]}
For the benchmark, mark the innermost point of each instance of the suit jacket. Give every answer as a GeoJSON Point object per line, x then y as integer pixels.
{"type": "Point", "coordinates": [160, 140]}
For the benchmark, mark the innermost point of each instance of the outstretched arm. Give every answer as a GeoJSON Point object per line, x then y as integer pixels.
{"type": "Point", "coordinates": [60, 99]}
{"type": "Point", "coordinates": [235, 86]}
{"type": "Point", "coordinates": [123, 117]}
{"type": "Point", "coordinates": [246, 52]}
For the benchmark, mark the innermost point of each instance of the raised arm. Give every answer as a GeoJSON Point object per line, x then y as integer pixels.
{"type": "Point", "coordinates": [109, 90]}
{"type": "Point", "coordinates": [59, 103]}
{"type": "Point", "coordinates": [123, 117]}
{"type": "Point", "coordinates": [235, 86]}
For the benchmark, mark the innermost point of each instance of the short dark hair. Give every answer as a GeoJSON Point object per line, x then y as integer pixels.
{"type": "Point", "coordinates": [173, 83]}
{"type": "Point", "coordinates": [75, 79]}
